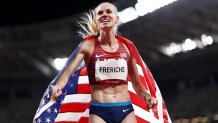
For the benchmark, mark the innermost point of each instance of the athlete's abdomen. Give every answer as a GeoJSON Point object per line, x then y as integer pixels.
{"type": "Point", "coordinates": [110, 93]}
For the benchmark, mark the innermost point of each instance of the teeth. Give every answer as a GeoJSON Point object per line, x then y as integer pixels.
{"type": "Point", "coordinates": [106, 20]}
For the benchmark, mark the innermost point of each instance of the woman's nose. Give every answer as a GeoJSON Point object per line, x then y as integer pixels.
{"type": "Point", "coordinates": [104, 15]}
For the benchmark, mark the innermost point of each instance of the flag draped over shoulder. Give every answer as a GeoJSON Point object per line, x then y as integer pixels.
{"type": "Point", "coordinates": [73, 105]}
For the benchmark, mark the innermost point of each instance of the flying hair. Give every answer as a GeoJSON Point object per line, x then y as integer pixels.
{"type": "Point", "coordinates": [88, 25]}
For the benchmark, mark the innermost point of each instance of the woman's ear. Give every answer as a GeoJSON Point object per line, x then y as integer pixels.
{"type": "Point", "coordinates": [117, 19]}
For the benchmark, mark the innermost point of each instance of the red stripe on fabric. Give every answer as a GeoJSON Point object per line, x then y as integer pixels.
{"type": "Point", "coordinates": [155, 112]}
{"type": "Point", "coordinates": [84, 120]}
{"type": "Point", "coordinates": [138, 101]}
{"type": "Point", "coordinates": [81, 120]}
{"type": "Point", "coordinates": [147, 79]}
{"type": "Point", "coordinates": [142, 103]}
{"type": "Point", "coordinates": [128, 78]}
{"type": "Point", "coordinates": [143, 81]}
{"type": "Point", "coordinates": [83, 71]}
{"type": "Point", "coordinates": [154, 109]}
{"type": "Point", "coordinates": [74, 107]}
{"type": "Point", "coordinates": [83, 89]}
{"type": "Point", "coordinates": [165, 114]}
{"type": "Point", "coordinates": [140, 120]}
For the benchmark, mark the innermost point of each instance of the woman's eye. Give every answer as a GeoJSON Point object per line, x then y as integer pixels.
{"type": "Point", "coordinates": [100, 12]}
{"type": "Point", "coordinates": [109, 11]}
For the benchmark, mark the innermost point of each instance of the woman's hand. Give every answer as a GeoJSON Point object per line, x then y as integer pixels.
{"type": "Point", "coordinates": [56, 91]}
{"type": "Point", "coordinates": [151, 101]}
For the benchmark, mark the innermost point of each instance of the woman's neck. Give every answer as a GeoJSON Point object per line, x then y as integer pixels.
{"type": "Point", "coordinates": [107, 38]}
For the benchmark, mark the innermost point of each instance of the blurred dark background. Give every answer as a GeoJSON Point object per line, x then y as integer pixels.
{"type": "Point", "coordinates": [34, 33]}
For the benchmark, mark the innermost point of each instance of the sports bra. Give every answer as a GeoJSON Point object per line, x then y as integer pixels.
{"type": "Point", "coordinates": [108, 67]}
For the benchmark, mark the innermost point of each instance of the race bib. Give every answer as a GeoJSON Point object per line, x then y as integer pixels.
{"type": "Point", "coordinates": [111, 69]}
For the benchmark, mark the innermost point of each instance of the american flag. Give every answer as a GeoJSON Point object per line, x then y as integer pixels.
{"type": "Point", "coordinates": [73, 105]}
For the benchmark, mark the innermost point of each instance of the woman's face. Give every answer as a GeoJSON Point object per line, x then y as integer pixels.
{"type": "Point", "coordinates": [106, 16]}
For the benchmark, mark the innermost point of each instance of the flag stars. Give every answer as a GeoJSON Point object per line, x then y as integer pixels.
{"type": "Point", "coordinates": [49, 110]}
{"type": "Point", "coordinates": [71, 85]}
{"type": "Point", "coordinates": [55, 110]}
{"type": "Point", "coordinates": [39, 120]}
{"type": "Point", "coordinates": [47, 92]}
{"type": "Point", "coordinates": [48, 120]}
{"type": "Point", "coordinates": [48, 95]}
{"type": "Point", "coordinates": [43, 102]}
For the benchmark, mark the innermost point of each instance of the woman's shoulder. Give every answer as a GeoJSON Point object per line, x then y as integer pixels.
{"type": "Point", "coordinates": [124, 40]}
{"type": "Point", "coordinates": [88, 43]}
{"type": "Point", "coordinates": [90, 37]}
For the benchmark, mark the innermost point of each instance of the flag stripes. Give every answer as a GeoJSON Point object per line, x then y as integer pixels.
{"type": "Point", "coordinates": [73, 105]}
{"type": "Point", "coordinates": [76, 106]}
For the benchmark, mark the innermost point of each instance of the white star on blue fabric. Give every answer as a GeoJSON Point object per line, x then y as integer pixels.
{"type": "Point", "coordinates": [48, 120]}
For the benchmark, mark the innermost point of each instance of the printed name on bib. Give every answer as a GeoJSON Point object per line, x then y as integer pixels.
{"type": "Point", "coordinates": [111, 69]}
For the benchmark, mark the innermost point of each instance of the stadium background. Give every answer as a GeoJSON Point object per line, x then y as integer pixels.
{"type": "Point", "coordinates": [178, 42]}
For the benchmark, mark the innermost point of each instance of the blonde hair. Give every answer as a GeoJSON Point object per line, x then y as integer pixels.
{"type": "Point", "coordinates": [88, 25]}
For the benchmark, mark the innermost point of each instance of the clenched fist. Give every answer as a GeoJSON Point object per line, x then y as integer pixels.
{"type": "Point", "coordinates": [150, 100]}
{"type": "Point", "coordinates": [56, 92]}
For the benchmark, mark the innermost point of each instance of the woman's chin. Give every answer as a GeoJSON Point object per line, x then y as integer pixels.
{"type": "Point", "coordinates": [106, 27]}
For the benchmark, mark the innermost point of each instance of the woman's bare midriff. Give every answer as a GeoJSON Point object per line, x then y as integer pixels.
{"type": "Point", "coordinates": [110, 93]}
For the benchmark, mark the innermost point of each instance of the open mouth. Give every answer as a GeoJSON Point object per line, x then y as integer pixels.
{"type": "Point", "coordinates": [105, 21]}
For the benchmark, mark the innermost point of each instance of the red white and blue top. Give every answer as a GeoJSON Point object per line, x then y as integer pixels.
{"type": "Point", "coordinates": [108, 67]}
